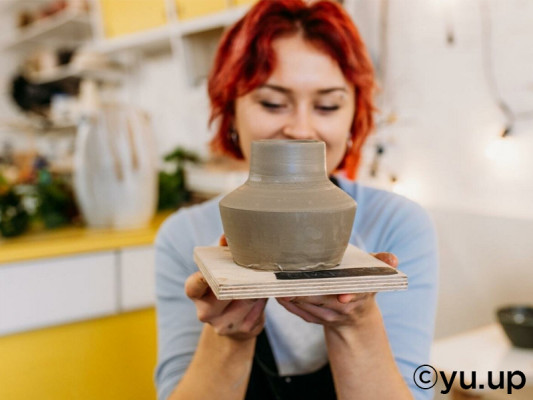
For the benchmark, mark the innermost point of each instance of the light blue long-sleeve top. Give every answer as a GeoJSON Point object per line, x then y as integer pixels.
{"type": "Point", "coordinates": [385, 222]}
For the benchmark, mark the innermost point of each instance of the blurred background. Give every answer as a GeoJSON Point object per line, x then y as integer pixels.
{"type": "Point", "coordinates": [103, 133]}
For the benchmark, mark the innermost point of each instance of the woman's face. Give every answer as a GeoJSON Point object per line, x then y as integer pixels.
{"type": "Point", "coordinates": [306, 97]}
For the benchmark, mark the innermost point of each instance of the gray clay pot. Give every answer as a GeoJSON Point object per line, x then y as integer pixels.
{"type": "Point", "coordinates": [288, 215]}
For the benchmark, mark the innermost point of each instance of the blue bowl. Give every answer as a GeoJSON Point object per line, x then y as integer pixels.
{"type": "Point", "coordinates": [517, 322]}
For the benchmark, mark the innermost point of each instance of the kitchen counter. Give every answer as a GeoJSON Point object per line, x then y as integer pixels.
{"type": "Point", "coordinates": [75, 240]}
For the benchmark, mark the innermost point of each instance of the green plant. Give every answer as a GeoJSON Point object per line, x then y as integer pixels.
{"type": "Point", "coordinates": [55, 200]}
{"type": "Point", "coordinates": [14, 218]}
{"type": "Point", "coordinates": [172, 186]}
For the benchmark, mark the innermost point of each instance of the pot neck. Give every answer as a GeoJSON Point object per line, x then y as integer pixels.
{"type": "Point", "coordinates": [288, 161]}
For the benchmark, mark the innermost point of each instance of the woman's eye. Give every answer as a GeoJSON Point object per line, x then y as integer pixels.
{"type": "Point", "coordinates": [272, 106]}
{"type": "Point", "coordinates": [327, 108]}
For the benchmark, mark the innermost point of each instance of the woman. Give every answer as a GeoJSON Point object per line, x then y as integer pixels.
{"type": "Point", "coordinates": [295, 70]}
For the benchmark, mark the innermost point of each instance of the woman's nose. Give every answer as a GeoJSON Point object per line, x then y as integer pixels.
{"type": "Point", "coordinates": [300, 126]}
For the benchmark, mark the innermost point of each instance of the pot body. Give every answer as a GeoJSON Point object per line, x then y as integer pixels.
{"type": "Point", "coordinates": [288, 215]}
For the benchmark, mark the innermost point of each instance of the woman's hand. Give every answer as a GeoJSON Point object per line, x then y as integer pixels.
{"type": "Point", "coordinates": [336, 311]}
{"type": "Point", "coordinates": [236, 319]}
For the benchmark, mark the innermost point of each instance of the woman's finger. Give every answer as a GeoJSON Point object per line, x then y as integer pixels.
{"type": "Point", "coordinates": [209, 308]}
{"type": "Point", "coordinates": [250, 321]}
{"type": "Point", "coordinates": [353, 297]}
{"type": "Point", "coordinates": [235, 313]}
{"type": "Point", "coordinates": [322, 313]}
{"type": "Point", "coordinates": [196, 286]}
{"type": "Point", "coordinates": [240, 316]}
{"type": "Point", "coordinates": [293, 308]}
{"type": "Point", "coordinates": [222, 241]}
{"type": "Point", "coordinates": [327, 301]}
{"type": "Point", "coordinates": [387, 258]}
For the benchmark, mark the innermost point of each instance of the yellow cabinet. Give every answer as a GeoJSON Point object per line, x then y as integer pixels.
{"type": "Point", "coordinates": [242, 2]}
{"type": "Point", "coordinates": [195, 8]}
{"type": "Point", "coordinates": [105, 359]}
{"type": "Point", "coordinates": [121, 17]}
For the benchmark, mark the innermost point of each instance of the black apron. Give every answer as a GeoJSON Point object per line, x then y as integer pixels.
{"type": "Point", "coordinates": [266, 384]}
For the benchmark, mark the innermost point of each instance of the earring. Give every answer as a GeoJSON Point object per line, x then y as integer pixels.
{"type": "Point", "coordinates": [234, 137]}
{"type": "Point", "coordinates": [349, 142]}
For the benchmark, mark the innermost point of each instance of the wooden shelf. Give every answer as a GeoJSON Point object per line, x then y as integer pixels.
{"type": "Point", "coordinates": [63, 73]}
{"type": "Point", "coordinates": [16, 4]}
{"type": "Point", "coordinates": [68, 26]}
{"type": "Point", "coordinates": [34, 125]}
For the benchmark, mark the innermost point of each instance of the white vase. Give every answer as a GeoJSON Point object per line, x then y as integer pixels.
{"type": "Point", "coordinates": [115, 168]}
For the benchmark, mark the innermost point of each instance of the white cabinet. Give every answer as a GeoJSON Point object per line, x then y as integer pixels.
{"type": "Point", "coordinates": [47, 292]}
{"type": "Point", "coordinates": [54, 291]}
{"type": "Point", "coordinates": [137, 278]}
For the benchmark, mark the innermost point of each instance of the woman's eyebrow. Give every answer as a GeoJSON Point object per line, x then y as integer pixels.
{"type": "Point", "coordinates": [276, 88]}
{"type": "Point", "coordinates": [333, 89]}
{"type": "Point", "coordinates": [284, 90]}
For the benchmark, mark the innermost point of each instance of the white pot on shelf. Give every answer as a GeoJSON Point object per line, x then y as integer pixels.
{"type": "Point", "coordinates": [115, 168]}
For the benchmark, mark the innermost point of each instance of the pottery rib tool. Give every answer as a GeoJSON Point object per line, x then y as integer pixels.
{"type": "Point", "coordinates": [358, 272]}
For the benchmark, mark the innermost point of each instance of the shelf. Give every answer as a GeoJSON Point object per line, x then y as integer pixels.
{"type": "Point", "coordinates": [74, 240]}
{"type": "Point", "coordinates": [6, 5]}
{"type": "Point", "coordinates": [34, 125]}
{"type": "Point", "coordinates": [146, 41]}
{"type": "Point", "coordinates": [213, 21]}
{"type": "Point", "coordinates": [159, 38]}
{"type": "Point", "coordinates": [69, 25]}
{"type": "Point", "coordinates": [63, 73]}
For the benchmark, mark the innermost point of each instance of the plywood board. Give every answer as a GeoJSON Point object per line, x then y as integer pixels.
{"type": "Point", "coordinates": [358, 272]}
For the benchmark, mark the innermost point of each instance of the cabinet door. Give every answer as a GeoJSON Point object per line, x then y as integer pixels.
{"type": "Point", "coordinates": [196, 8]}
{"type": "Point", "coordinates": [122, 17]}
{"type": "Point", "coordinates": [137, 268]}
{"type": "Point", "coordinates": [48, 292]}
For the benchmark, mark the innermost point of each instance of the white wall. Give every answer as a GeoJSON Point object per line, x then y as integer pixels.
{"type": "Point", "coordinates": [447, 116]}
{"type": "Point", "coordinates": [485, 264]}
{"type": "Point", "coordinates": [480, 197]}
{"type": "Point", "coordinates": [179, 111]}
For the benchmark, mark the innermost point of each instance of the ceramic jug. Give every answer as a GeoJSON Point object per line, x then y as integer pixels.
{"type": "Point", "coordinates": [115, 171]}
{"type": "Point", "coordinates": [288, 215]}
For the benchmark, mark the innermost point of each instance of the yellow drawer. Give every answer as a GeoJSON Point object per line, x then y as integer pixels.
{"type": "Point", "coordinates": [196, 8]}
{"type": "Point", "coordinates": [121, 17]}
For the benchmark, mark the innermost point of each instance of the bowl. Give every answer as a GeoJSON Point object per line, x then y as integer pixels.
{"type": "Point", "coordinates": [517, 322]}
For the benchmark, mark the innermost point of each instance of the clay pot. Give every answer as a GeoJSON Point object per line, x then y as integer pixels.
{"type": "Point", "coordinates": [288, 215]}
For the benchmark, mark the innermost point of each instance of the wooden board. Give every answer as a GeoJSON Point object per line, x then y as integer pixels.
{"type": "Point", "coordinates": [358, 272]}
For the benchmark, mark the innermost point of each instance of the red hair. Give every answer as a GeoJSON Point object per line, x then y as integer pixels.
{"type": "Point", "coordinates": [245, 59]}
